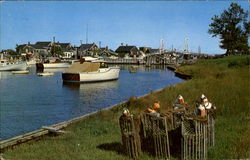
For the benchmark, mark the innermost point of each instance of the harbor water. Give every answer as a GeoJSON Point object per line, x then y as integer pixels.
{"type": "Point", "coordinates": [28, 101]}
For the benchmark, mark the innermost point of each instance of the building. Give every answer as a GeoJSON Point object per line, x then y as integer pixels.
{"type": "Point", "coordinates": [88, 50]}
{"type": "Point", "coordinates": [106, 52]}
{"type": "Point", "coordinates": [127, 51]}
{"type": "Point", "coordinates": [37, 48]}
{"type": "Point", "coordinates": [69, 51]}
{"type": "Point", "coordinates": [44, 48]}
{"type": "Point", "coordinates": [145, 50]}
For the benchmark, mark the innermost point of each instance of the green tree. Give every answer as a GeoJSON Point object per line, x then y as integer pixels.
{"type": "Point", "coordinates": [56, 51]}
{"type": "Point", "coordinates": [11, 52]}
{"type": "Point", "coordinates": [233, 29]}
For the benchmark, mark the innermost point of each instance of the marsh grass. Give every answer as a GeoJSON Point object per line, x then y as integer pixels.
{"type": "Point", "coordinates": [224, 81]}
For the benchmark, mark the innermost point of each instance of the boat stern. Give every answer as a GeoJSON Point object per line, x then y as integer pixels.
{"type": "Point", "coordinates": [71, 77]}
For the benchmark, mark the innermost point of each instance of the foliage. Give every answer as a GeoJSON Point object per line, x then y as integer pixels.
{"type": "Point", "coordinates": [56, 51]}
{"type": "Point", "coordinates": [10, 52]}
{"type": "Point", "coordinates": [233, 29]}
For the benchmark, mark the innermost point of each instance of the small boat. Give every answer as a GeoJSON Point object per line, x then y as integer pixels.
{"type": "Point", "coordinates": [20, 72]}
{"type": "Point", "coordinates": [11, 66]}
{"type": "Point", "coordinates": [90, 72]}
{"type": "Point", "coordinates": [52, 62]}
{"type": "Point", "coordinates": [45, 74]}
{"type": "Point", "coordinates": [133, 69]}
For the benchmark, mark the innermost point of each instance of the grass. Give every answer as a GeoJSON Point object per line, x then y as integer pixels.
{"type": "Point", "coordinates": [224, 81]}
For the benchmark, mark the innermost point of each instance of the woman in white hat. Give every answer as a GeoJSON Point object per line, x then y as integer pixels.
{"type": "Point", "coordinates": [205, 102]}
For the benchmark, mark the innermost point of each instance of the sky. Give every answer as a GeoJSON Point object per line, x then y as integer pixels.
{"type": "Point", "coordinates": [139, 23]}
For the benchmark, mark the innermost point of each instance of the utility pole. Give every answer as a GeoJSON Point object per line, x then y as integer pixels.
{"type": "Point", "coordinates": [186, 44]}
{"type": "Point", "coordinates": [100, 42]}
{"type": "Point", "coordinates": [54, 39]}
{"type": "Point", "coordinates": [199, 50]}
{"type": "Point", "coordinates": [87, 33]}
{"type": "Point", "coordinates": [161, 45]}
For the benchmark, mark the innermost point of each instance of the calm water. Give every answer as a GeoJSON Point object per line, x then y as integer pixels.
{"type": "Point", "coordinates": [28, 102]}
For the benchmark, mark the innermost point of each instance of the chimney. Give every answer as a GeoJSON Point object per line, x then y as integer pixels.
{"type": "Point", "coordinates": [121, 44]}
{"type": "Point", "coordinates": [28, 43]}
{"type": "Point", "coordinates": [106, 48]}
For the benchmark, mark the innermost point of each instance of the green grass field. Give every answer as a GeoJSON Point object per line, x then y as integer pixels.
{"type": "Point", "coordinates": [224, 81]}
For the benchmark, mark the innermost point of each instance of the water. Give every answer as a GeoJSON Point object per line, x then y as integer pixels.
{"type": "Point", "coordinates": [28, 102]}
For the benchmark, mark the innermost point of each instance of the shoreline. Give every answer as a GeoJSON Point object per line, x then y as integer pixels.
{"type": "Point", "coordinates": [38, 133]}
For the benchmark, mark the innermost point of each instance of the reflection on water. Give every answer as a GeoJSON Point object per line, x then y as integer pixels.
{"type": "Point", "coordinates": [54, 70]}
{"type": "Point", "coordinates": [90, 87]}
{"type": "Point", "coordinates": [28, 101]}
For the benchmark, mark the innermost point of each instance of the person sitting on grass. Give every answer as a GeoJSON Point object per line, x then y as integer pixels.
{"type": "Point", "coordinates": [205, 102]}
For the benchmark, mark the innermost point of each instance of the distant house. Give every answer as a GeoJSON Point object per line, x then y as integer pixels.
{"type": "Point", "coordinates": [68, 50]}
{"type": "Point", "coordinates": [145, 50]}
{"type": "Point", "coordinates": [87, 50]}
{"type": "Point", "coordinates": [42, 47]}
{"type": "Point", "coordinates": [152, 51]}
{"type": "Point", "coordinates": [106, 52]}
{"type": "Point", "coordinates": [24, 49]}
{"type": "Point", "coordinates": [127, 51]}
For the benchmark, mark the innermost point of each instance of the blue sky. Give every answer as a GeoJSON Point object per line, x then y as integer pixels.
{"type": "Point", "coordinates": [140, 23]}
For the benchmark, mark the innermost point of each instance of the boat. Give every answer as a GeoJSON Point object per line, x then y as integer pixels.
{"type": "Point", "coordinates": [52, 62]}
{"type": "Point", "coordinates": [20, 72]}
{"type": "Point", "coordinates": [45, 74]}
{"type": "Point", "coordinates": [133, 69]}
{"type": "Point", "coordinates": [90, 72]}
{"type": "Point", "coordinates": [12, 66]}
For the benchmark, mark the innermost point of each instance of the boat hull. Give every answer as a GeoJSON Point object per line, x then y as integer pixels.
{"type": "Point", "coordinates": [107, 74]}
{"type": "Point", "coordinates": [14, 67]}
{"type": "Point", "coordinates": [20, 72]}
{"type": "Point", "coordinates": [52, 65]}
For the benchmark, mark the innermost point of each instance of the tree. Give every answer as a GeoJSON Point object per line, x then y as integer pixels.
{"type": "Point", "coordinates": [233, 29]}
{"type": "Point", "coordinates": [56, 50]}
{"type": "Point", "coordinates": [11, 52]}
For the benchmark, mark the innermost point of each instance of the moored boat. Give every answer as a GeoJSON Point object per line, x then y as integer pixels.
{"type": "Point", "coordinates": [17, 66]}
{"type": "Point", "coordinates": [133, 69]}
{"type": "Point", "coordinates": [45, 74]}
{"type": "Point", "coordinates": [52, 63]}
{"type": "Point", "coordinates": [90, 72]}
{"type": "Point", "coordinates": [20, 72]}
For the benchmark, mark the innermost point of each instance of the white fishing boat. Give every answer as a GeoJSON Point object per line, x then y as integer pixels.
{"type": "Point", "coordinates": [90, 72]}
{"type": "Point", "coordinates": [45, 74]}
{"type": "Point", "coordinates": [11, 66]}
{"type": "Point", "coordinates": [20, 72]}
{"type": "Point", "coordinates": [52, 62]}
